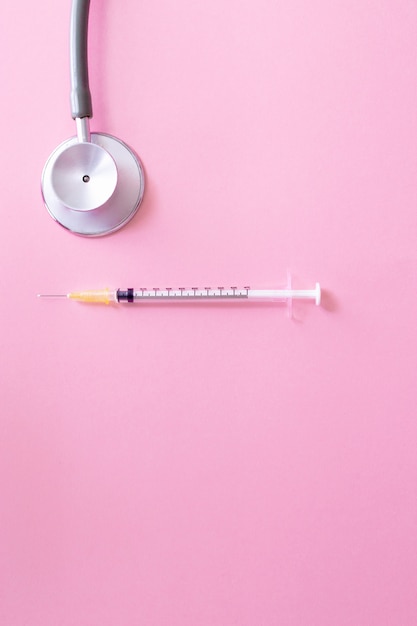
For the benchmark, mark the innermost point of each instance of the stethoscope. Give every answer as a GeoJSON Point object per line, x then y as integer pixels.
{"type": "Point", "coordinates": [93, 183]}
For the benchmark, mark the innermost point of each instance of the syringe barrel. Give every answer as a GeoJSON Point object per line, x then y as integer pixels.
{"type": "Point", "coordinates": [268, 295]}
{"type": "Point", "coordinates": [282, 295]}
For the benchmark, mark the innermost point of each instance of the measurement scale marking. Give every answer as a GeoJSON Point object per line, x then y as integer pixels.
{"type": "Point", "coordinates": [194, 293]}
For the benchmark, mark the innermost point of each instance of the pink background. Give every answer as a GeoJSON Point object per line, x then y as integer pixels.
{"type": "Point", "coordinates": [214, 466]}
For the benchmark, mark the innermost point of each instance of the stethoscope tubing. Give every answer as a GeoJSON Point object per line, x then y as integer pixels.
{"type": "Point", "coordinates": [80, 95]}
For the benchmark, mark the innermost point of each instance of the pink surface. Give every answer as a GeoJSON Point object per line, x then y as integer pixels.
{"type": "Point", "coordinates": [216, 466]}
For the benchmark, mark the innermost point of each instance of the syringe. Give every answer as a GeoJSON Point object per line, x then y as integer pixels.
{"type": "Point", "coordinates": [193, 294]}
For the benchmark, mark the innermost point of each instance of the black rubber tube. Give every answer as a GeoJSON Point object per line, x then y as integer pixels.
{"type": "Point", "coordinates": [80, 97]}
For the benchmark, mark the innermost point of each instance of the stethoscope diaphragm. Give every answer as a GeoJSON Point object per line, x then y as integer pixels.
{"type": "Point", "coordinates": [98, 198]}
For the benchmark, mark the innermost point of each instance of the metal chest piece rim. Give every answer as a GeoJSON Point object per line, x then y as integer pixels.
{"type": "Point", "coordinates": [93, 188]}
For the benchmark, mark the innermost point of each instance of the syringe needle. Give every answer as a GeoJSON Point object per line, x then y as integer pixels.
{"type": "Point", "coordinates": [52, 295]}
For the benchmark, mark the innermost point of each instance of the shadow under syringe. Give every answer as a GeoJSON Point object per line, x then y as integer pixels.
{"type": "Point", "coordinates": [329, 301]}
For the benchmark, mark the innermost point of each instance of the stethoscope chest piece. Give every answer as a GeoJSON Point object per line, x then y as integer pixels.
{"type": "Point", "coordinates": [95, 187]}
{"type": "Point", "coordinates": [93, 183]}
{"type": "Point", "coordinates": [83, 176]}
